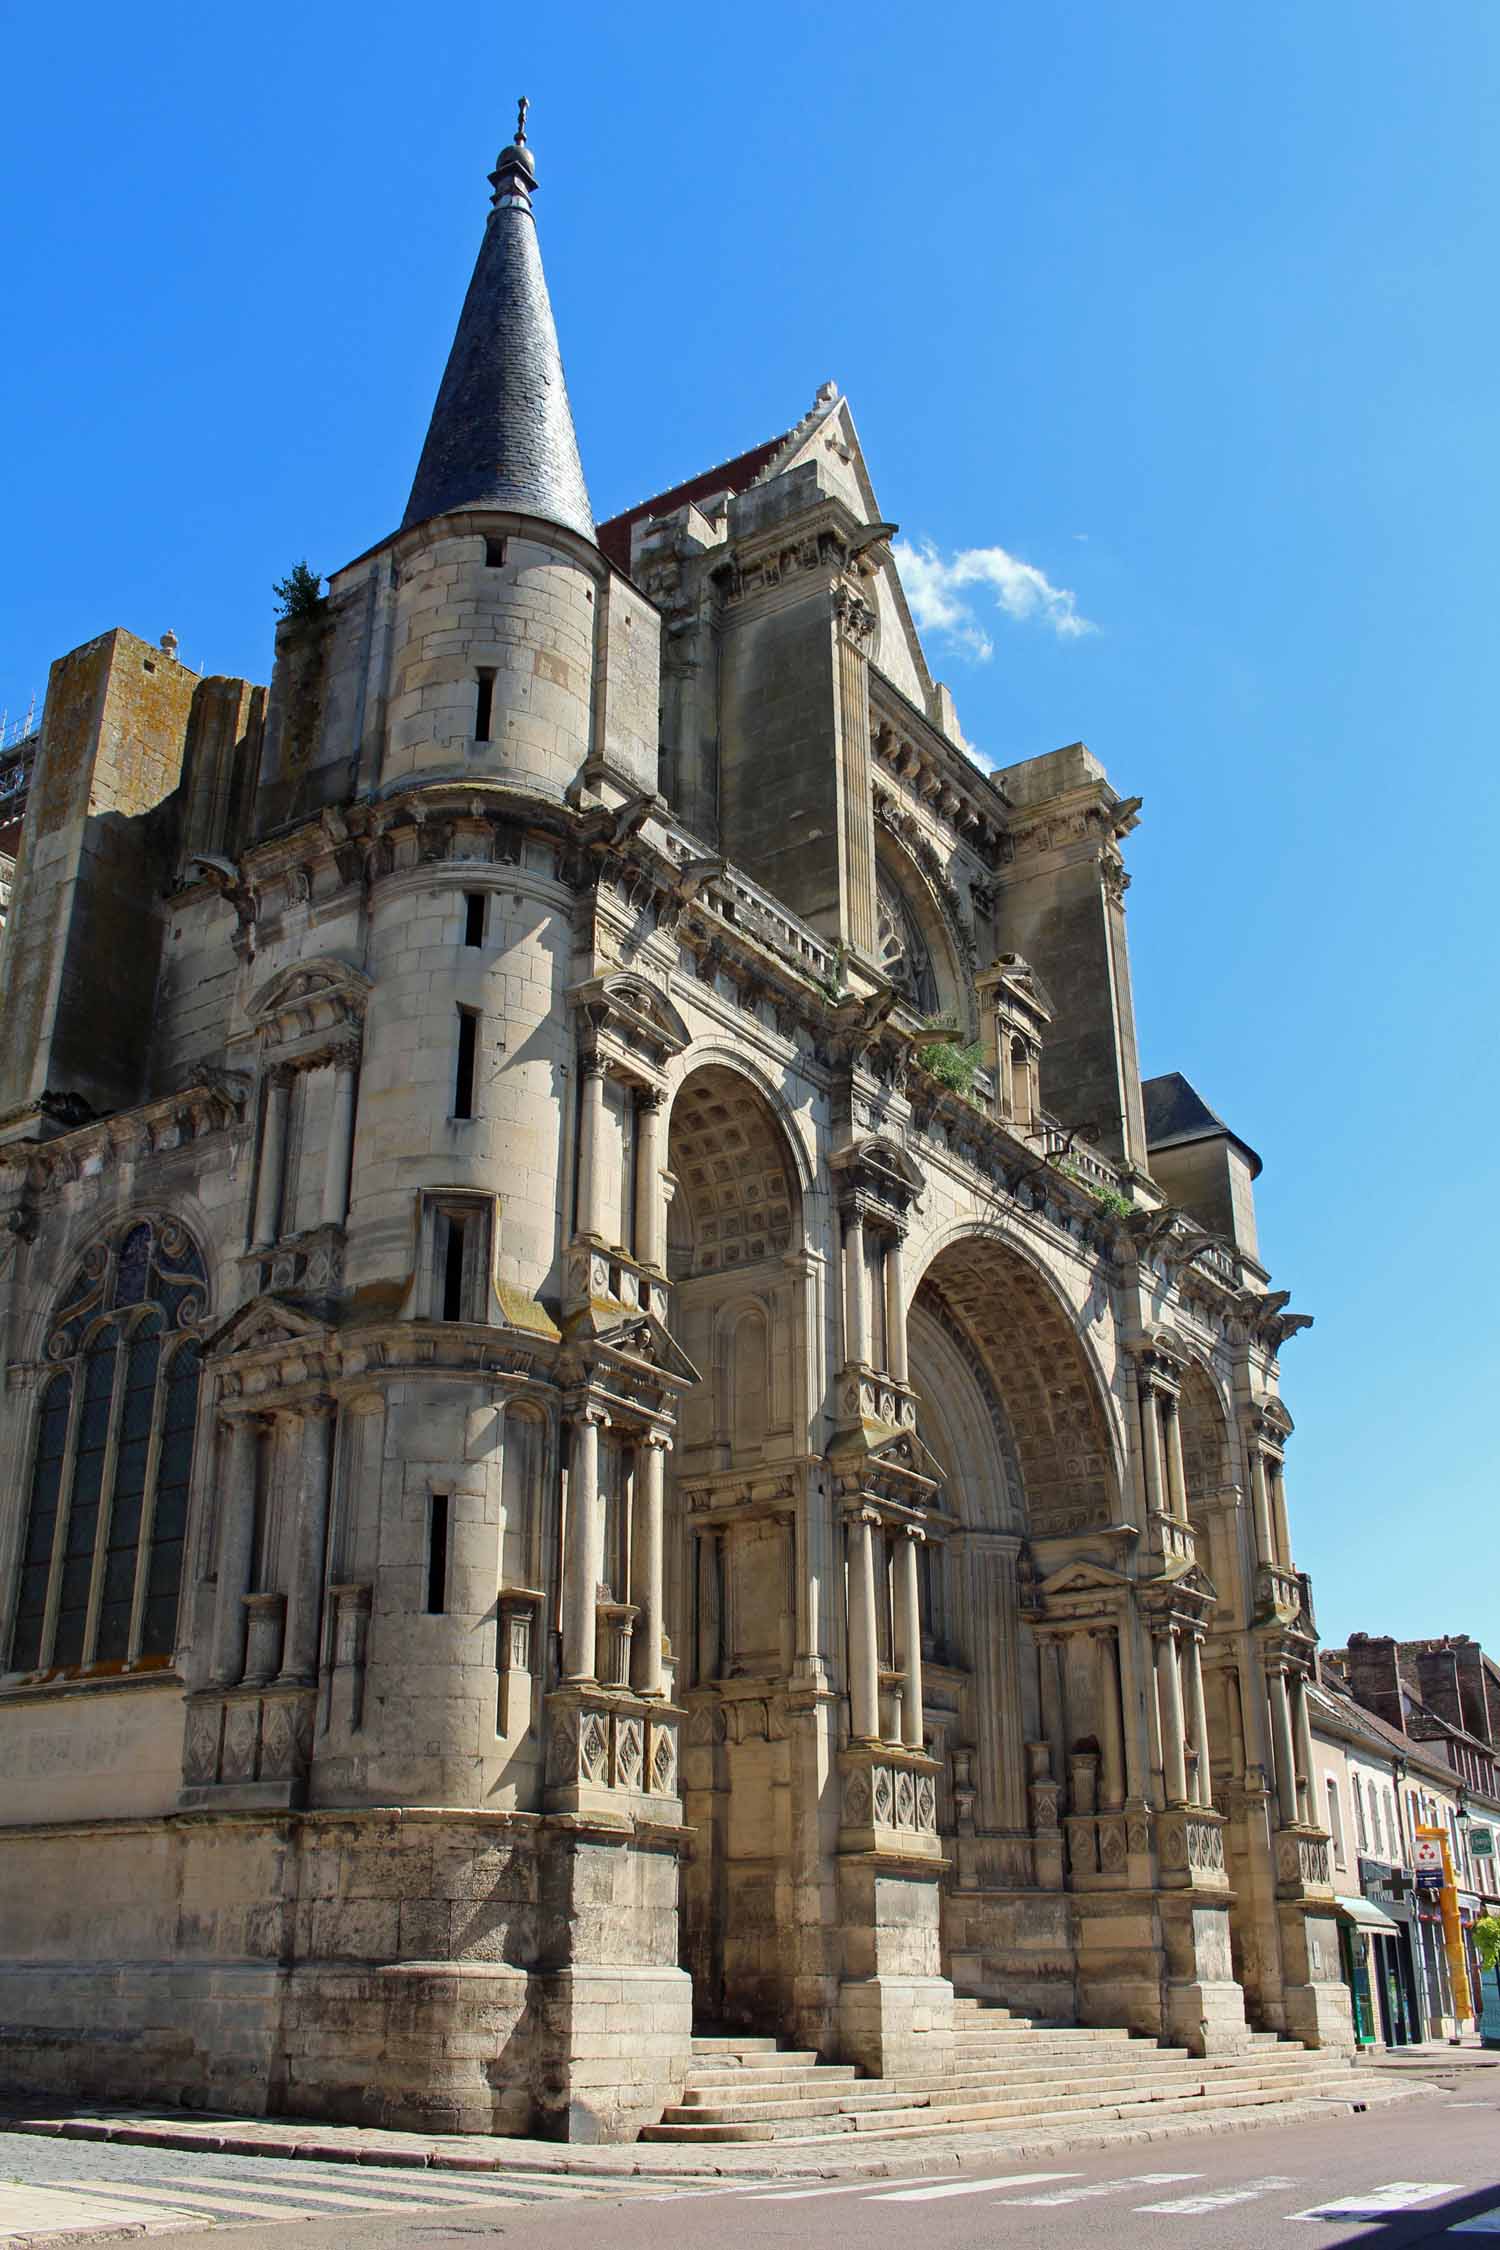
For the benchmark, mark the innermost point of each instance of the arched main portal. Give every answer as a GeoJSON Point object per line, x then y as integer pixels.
{"type": "Point", "coordinates": [1011, 1410]}
{"type": "Point", "coordinates": [739, 1313]}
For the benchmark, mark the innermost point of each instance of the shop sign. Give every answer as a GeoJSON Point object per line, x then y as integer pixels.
{"type": "Point", "coordinates": [1427, 1860]}
{"type": "Point", "coordinates": [1481, 1840]}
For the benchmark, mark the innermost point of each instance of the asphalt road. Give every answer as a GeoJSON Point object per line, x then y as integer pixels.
{"type": "Point", "coordinates": [1421, 2171]}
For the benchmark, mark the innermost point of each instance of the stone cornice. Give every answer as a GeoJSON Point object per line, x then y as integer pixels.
{"type": "Point", "coordinates": [214, 1101]}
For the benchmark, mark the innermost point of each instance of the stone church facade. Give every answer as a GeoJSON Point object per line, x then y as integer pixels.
{"type": "Point", "coordinates": [618, 1407]}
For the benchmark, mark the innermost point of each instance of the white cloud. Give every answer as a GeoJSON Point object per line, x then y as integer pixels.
{"type": "Point", "coordinates": [942, 592]}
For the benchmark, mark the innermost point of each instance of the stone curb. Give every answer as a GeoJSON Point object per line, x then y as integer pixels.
{"type": "Point", "coordinates": [602, 2166]}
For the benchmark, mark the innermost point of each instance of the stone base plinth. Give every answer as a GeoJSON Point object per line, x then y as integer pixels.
{"type": "Point", "coordinates": [1315, 1998]}
{"type": "Point", "coordinates": [615, 2044]}
{"type": "Point", "coordinates": [895, 2006]}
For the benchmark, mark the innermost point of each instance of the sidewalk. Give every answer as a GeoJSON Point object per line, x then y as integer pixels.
{"type": "Point", "coordinates": [1433, 2057]}
{"type": "Point", "coordinates": [864, 2155]}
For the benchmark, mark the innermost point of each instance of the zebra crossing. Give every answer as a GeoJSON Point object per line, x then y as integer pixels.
{"type": "Point", "coordinates": [1142, 2192]}
{"type": "Point", "coordinates": [35, 2212]}
{"type": "Point", "coordinates": [130, 2194]}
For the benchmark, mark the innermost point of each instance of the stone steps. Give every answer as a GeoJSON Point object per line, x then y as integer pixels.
{"type": "Point", "coordinates": [1010, 2072]}
{"type": "Point", "coordinates": [1056, 2097]}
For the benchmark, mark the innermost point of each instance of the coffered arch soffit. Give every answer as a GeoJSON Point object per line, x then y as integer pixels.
{"type": "Point", "coordinates": [738, 1192]}
{"type": "Point", "coordinates": [962, 1420]}
{"type": "Point", "coordinates": [1208, 1463]}
{"type": "Point", "coordinates": [1042, 1367]}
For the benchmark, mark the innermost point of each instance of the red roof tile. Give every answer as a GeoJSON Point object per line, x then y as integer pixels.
{"type": "Point", "coordinates": [730, 476]}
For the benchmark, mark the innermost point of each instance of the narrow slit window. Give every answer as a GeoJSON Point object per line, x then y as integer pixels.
{"type": "Point", "coordinates": [437, 1554]}
{"type": "Point", "coordinates": [494, 554]}
{"type": "Point", "coordinates": [484, 702]}
{"type": "Point", "coordinates": [473, 918]}
{"type": "Point", "coordinates": [453, 1267]}
{"type": "Point", "coordinates": [468, 1045]}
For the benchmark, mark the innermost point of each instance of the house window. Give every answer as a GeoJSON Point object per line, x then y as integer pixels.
{"type": "Point", "coordinates": [484, 701]}
{"type": "Point", "coordinates": [112, 1457]}
{"type": "Point", "coordinates": [1361, 1836]}
{"type": "Point", "coordinates": [437, 1554]}
{"type": "Point", "coordinates": [494, 554]}
{"type": "Point", "coordinates": [473, 917]}
{"type": "Point", "coordinates": [463, 1076]}
{"type": "Point", "coordinates": [1335, 1821]}
{"type": "Point", "coordinates": [458, 1257]}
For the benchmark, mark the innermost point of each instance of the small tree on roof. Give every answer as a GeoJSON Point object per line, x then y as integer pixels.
{"type": "Point", "coordinates": [299, 594]}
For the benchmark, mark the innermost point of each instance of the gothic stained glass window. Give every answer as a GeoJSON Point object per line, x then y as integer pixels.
{"type": "Point", "coordinates": [101, 1559]}
{"type": "Point", "coordinates": [902, 949]}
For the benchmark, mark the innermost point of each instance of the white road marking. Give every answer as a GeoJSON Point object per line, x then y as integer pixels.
{"type": "Point", "coordinates": [195, 2190]}
{"type": "Point", "coordinates": [1396, 2195]}
{"type": "Point", "coordinates": [761, 2194]}
{"type": "Point", "coordinates": [972, 2187]}
{"type": "Point", "coordinates": [1218, 2199]}
{"type": "Point", "coordinates": [1096, 2187]}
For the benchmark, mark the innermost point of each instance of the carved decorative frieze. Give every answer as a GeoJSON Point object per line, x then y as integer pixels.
{"type": "Point", "coordinates": [888, 1801]}
{"type": "Point", "coordinates": [612, 1753]}
{"type": "Point", "coordinates": [247, 1740]}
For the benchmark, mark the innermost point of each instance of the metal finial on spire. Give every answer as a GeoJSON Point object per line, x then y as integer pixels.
{"type": "Point", "coordinates": [521, 110]}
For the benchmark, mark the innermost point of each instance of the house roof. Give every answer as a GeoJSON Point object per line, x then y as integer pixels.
{"type": "Point", "coordinates": [1177, 1113]}
{"type": "Point", "coordinates": [502, 434]}
{"type": "Point", "coordinates": [730, 476]}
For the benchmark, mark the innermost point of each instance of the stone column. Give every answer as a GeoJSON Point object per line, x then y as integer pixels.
{"type": "Point", "coordinates": [1054, 1717]}
{"type": "Point", "coordinates": [340, 1138]}
{"type": "Point", "coordinates": [647, 1554]}
{"type": "Point", "coordinates": [909, 1638]}
{"type": "Point", "coordinates": [710, 1617]}
{"type": "Point", "coordinates": [1151, 1450]}
{"type": "Point", "coordinates": [649, 1204]}
{"type": "Point", "coordinates": [304, 1609]}
{"type": "Point", "coordinates": [590, 1150]}
{"type": "Point", "coordinates": [856, 621]}
{"type": "Point", "coordinates": [895, 1311]}
{"type": "Point", "coordinates": [864, 1647]}
{"type": "Point", "coordinates": [1136, 1782]}
{"type": "Point", "coordinates": [584, 1550]}
{"type": "Point", "coordinates": [1265, 1538]}
{"type": "Point", "coordinates": [1281, 1742]}
{"type": "Point", "coordinates": [1277, 1480]}
{"type": "Point", "coordinates": [1111, 1732]}
{"type": "Point", "coordinates": [1203, 1792]}
{"type": "Point", "coordinates": [1176, 1477]}
{"type": "Point", "coordinates": [1303, 1741]}
{"type": "Point", "coordinates": [856, 1310]}
{"type": "Point", "coordinates": [236, 1561]}
{"type": "Point", "coordinates": [272, 1159]}
{"type": "Point", "coordinates": [1169, 1696]}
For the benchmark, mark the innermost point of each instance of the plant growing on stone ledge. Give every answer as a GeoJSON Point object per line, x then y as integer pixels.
{"type": "Point", "coordinates": [951, 1066]}
{"type": "Point", "coordinates": [300, 595]}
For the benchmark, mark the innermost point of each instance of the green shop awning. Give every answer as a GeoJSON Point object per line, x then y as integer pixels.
{"type": "Point", "coordinates": [1366, 1914]}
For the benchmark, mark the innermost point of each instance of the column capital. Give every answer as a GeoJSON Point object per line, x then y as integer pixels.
{"type": "Point", "coordinates": [280, 1076]}
{"type": "Point", "coordinates": [655, 1441]}
{"type": "Point", "coordinates": [345, 1055]}
{"type": "Point", "coordinates": [590, 1415]}
{"type": "Point", "coordinates": [591, 1064]}
{"type": "Point", "coordinates": [319, 1409]}
{"type": "Point", "coordinates": [650, 1097]}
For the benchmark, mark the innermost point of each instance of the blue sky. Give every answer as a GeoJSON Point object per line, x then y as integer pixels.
{"type": "Point", "coordinates": [1189, 309]}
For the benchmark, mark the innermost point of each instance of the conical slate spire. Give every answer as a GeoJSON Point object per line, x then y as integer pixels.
{"type": "Point", "coordinates": [501, 434]}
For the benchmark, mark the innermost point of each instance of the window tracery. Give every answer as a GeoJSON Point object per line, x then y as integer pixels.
{"type": "Point", "coordinates": [112, 1456]}
{"type": "Point", "coordinates": [902, 950]}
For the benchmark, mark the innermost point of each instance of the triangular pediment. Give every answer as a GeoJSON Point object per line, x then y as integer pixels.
{"type": "Point", "coordinates": [643, 1340]}
{"type": "Point", "coordinates": [265, 1323]}
{"type": "Point", "coordinates": [307, 984]}
{"type": "Point", "coordinates": [1082, 1577]}
{"type": "Point", "coordinates": [832, 440]}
